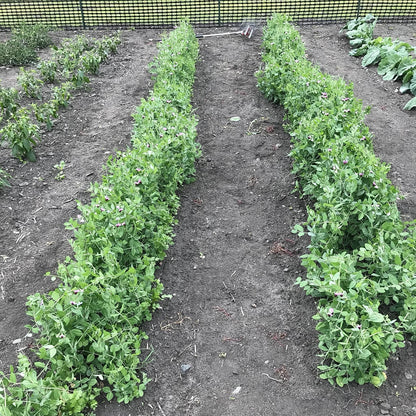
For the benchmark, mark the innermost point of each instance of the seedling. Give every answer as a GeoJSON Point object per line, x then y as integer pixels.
{"type": "Point", "coordinates": [60, 168]}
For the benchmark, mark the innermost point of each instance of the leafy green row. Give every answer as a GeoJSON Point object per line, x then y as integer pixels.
{"type": "Point", "coordinates": [89, 326]}
{"type": "Point", "coordinates": [22, 48]}
{"type": "Point", "coordinates": [69, 67]}
{"type": "Point", "coordinates": [394, 58]}
{"type": "Point", "coordinates": [361, 261]}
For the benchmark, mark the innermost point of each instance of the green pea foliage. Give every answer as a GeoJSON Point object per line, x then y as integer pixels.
{"type": "Point", "coordinates": [89, 327]}
{"type": "Point", "coordinates": [361, 261]}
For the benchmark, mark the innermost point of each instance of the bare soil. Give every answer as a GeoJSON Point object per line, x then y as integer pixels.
{"type": "Point", "coordinates": [237, 337]}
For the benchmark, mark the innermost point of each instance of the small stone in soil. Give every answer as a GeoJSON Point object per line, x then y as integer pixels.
{"type": "Point", "coordinates": [185, 368]}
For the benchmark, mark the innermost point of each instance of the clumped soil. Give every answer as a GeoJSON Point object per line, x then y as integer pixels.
{"type": "Point", "coordinates": [237, 337]}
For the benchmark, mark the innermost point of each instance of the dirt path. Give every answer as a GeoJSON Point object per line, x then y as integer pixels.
{"type": "Point", "coordinates": [237, 338]}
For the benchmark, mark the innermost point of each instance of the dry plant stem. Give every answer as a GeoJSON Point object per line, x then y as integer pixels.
{"type": "Point", "coordinates": [271, 378]}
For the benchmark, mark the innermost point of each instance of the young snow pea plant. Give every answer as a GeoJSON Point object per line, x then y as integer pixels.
{"type": "Point", "coordinates": [31, 84]}
{"type": "Point", "coordinates": [89, 327]}
{"type": "Point", "coordinates": [22, 48]}
{"type": "Point", "coordinates": [9, 102]}
{"type": "Point", "coordinates": [74, 61]}
{"type": "Point", "coordinates": [361, 255]}
{"type": "Point", "coordinates": [21, 134]}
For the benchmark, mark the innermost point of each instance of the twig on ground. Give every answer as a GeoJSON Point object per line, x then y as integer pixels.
{"type": "Point", "coordinates": [222, 310]}
{"type": "Point", "coordinates": [229, 292]}
{"type": "Point", "coordinates": [271, 378]}
{"type": "Point", "coordinates": [169, 325]}
{"type": "Point", "coordinates": [160, 408]}
{"type": "Point", "coordinates": [21, 237]}
{"type": "Point", "coordinates": [225, 339]}
{"type": "Point", "coordinates": [278, 248]}
{"type": "Point", "coordinates": [186, 348]}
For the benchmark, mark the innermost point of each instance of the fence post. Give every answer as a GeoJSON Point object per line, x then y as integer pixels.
{"type": "Point", "coordinates": [358, 9]}
{"type": "Point", "coordinates": [81, 9]}
{"type": "Point", "coordinates": [219, 12]}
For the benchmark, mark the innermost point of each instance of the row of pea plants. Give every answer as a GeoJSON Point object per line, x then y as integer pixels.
{"type": "Point", "coordinates": [89, 327]}
{"type": "Point", "coordinates": [394, 59]}
{"type": "Point", "coordinates": [361, 260]}
{"type": "Point", "coordinates": [57, 77]}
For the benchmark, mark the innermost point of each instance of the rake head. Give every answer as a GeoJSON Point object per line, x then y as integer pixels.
{"type": "Point", "coordinates": [247, 31]}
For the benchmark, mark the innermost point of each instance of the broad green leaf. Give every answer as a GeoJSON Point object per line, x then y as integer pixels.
{"type": "Point", "coordinates": [372, 56]}
{"type": "Point", "coordinates": [356, 42]}
{"type": "Point", "coordinates": [388, 63]}
{"type": "Point", "coordinates": [390, 75]}
{"type": "Point", "coordinates": [413, 84]}
{"type": "Point", "coordinates": [408, 76]}
{"type": "Point", "coordinates": [354, 52]}
{"type": "Point", "coordinates": [406, 64]}
{"type": "Point", "coordinates": [410, 104]}
{"type": "Point", "coordinates": [404, 88]}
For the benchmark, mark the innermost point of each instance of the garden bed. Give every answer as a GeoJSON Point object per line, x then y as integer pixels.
{"type": "Point", "coordinates": [235, 317]}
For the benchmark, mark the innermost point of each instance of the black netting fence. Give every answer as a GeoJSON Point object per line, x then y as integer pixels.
{"type": "Point", "coordinates": [74, 14]}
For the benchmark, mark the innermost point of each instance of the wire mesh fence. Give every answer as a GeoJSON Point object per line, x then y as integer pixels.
{"type": "Point", "coordinates": [75, 14]}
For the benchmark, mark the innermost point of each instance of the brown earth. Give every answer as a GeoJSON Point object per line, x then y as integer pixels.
{"type": "Point", "coordinates": [236, 321]}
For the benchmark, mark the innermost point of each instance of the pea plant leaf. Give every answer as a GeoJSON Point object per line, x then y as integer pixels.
{"type": "Point", "coordinates": [374, 316]}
